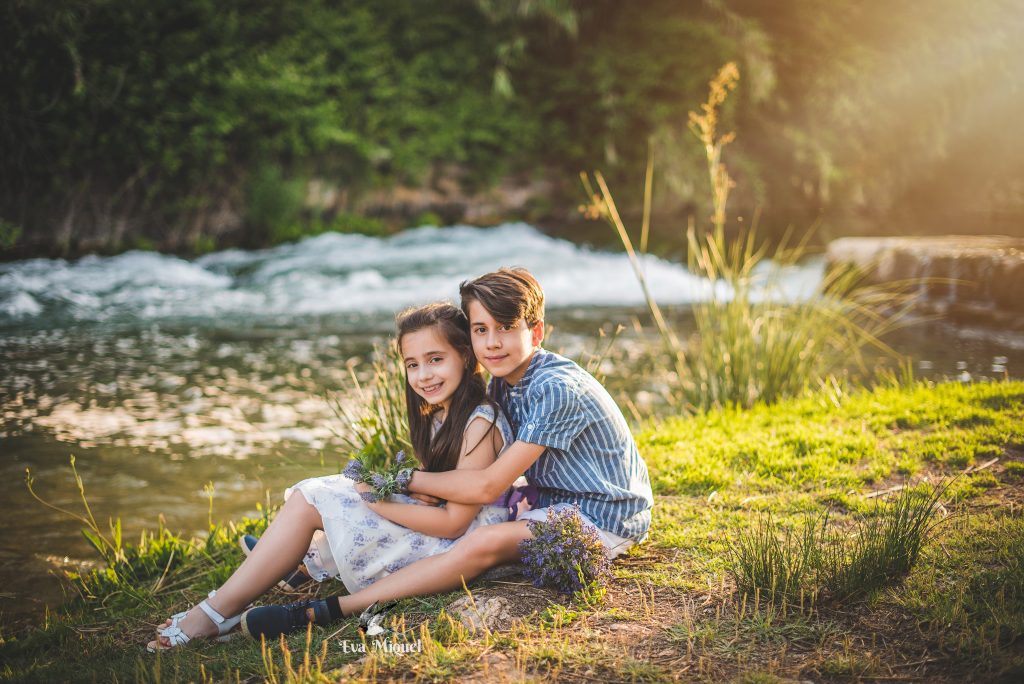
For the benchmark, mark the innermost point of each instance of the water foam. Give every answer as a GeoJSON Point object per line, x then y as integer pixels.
{"type": "Point", "coordinates": [336, 273]}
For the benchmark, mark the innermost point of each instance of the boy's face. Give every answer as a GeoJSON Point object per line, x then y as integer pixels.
{"type": "Point", "coordinates": [504, 350]}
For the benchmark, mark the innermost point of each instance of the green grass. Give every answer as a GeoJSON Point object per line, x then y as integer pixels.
{"type": "Point", "coordinates": [969, 591]}
{"type": "Point", "coordinates": [774, 563]}
{"type": "Point", "coordinates": [673, 609]}
{"type": "Point", "coordinates": [881, 549]}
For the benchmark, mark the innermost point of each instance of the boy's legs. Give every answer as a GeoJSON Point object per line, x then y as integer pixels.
{"type": "Point", "coordinates": [480, 550]}
{"type": "Point", "coordinates": [279, 550]}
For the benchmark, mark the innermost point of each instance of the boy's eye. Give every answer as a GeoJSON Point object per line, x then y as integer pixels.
{"type": "Point", "coordinates": [436, 359]}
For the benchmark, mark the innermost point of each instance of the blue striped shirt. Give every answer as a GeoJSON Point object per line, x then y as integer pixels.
{"type": "Point", "coordinates": [591, 457]}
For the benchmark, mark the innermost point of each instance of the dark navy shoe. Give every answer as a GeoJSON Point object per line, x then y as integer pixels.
{"type": "Point", "coordinates": [271, 622]}
{"type": "Point", "coordinates": [293, 581]}
{"type": "Point", "coordinates": [248, 543]}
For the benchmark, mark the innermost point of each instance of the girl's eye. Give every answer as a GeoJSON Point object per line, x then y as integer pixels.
{"type": "Point", "coordinates": [410, 366]}
{"type": "Point", "coordinates": [479, 330]}
{"type": "Point", "coordinates": [436, 359]}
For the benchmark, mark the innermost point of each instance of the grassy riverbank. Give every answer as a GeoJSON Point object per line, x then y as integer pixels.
{"type": "Point", "coordinates": [673, 611]}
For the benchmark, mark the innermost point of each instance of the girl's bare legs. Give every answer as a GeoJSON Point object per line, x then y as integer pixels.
{"type": "Point", "coordinates": [477, 552]}
{"type": "Point", "coordinates": [280, 549]}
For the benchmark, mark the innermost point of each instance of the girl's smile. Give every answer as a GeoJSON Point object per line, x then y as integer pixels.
{"type": "Point", "coordinates": [431, 389]}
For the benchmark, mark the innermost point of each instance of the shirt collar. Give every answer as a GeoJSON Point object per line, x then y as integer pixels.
{"type": "Point", "coordinates": [536, 361]}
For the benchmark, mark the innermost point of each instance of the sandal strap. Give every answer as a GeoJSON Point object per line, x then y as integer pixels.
{"type": "Point", "coordinates": [224, 625]}
{"type": "Point", "coordinates": [217, 618]}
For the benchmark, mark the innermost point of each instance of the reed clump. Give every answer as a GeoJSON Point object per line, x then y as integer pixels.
{"type": "Point", "coordinates": [819, 558]}
{"type": "Point", "coordinates": [375, 426]}
{"type": "Point", "coordinates": [774, 562]}
{"type": "Point", "coordinates": [883, 547]}
{"type": "Point", "coordinates": [159, 564]}
{"type": "Point", "coordinates": [754, 342]}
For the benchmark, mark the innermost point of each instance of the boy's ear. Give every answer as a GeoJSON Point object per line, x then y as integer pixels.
{"type": "Point", "coordinates": [537, 333]}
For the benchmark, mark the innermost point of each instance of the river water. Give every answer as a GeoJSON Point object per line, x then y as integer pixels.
{"type": "Point", "coordinates": [161, 375]}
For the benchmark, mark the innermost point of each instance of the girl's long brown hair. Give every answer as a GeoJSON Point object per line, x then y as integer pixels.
{"type": "Point", "coordinates": [441, 451]}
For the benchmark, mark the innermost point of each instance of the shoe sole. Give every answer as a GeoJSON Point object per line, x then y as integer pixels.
{"type": "Point", "coordinates": [245, 627]}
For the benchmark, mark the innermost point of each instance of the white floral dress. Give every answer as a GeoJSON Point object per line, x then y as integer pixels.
{"type": "Point", "coordinates": [359, 546]}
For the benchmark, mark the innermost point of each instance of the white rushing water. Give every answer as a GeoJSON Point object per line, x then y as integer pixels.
{"type": "Point", "coordinates": [335, 273]}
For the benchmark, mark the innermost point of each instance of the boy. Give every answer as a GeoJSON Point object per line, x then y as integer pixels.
{"type": "Point", "coordinates": [572, 442]}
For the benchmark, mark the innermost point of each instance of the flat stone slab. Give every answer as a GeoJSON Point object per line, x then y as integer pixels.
{"type": "Point", "coordinates": [975, 278]}
{"type": "Point", "coordinates": [863, 250]}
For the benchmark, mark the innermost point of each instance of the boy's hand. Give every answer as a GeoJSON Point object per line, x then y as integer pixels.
{"type": "Point", "coordinates": [427, 499]}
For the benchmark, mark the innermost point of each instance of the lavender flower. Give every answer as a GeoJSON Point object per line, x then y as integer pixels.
{"type": "Point", "coordinates": [389, 480]}
{"type": "Point", "coordinates": [369, 497]}
{"type": "Point", "coordinates": [403, 478]}
{"type": "Point", "coordinates": [354, 470]}
{"type": "Point", "coordinates": [565, 552]}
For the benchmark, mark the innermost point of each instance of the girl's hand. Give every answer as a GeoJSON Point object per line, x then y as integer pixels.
{"type": "Point", "coordinates": [363, 487]}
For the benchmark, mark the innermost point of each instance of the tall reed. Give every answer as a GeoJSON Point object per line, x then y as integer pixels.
{"type": "Point", "coordinates": [751, 344]}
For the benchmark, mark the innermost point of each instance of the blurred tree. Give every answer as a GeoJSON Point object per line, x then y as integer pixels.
{"type": "Point", "coordinates": [151, 118]}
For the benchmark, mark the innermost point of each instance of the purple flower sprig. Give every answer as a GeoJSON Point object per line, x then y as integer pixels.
{"type": "Point", "coordinates": [392, 479]}
{"type": "Point", "coordinates": [565, 553]}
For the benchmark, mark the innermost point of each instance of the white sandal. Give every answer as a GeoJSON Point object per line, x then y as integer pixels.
{"type": "Point", "coordinates": [178, 637]}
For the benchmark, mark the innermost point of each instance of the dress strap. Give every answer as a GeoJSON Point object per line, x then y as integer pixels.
{"type": "Point", "coordinates": [486, 411]}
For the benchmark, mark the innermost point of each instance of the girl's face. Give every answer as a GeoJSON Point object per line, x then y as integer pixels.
{"type": "Point", "coordinates": [434, 367]}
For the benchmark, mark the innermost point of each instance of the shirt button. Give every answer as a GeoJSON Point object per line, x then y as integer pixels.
{"type": "Point", "coordinates": [529, 425]}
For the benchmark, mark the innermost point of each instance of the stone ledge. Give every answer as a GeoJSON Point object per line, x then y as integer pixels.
{"type": "Point", "coordinates": [970, 278]}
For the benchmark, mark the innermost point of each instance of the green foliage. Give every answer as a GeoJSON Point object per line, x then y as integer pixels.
{"type": "Point", "coordinates": [274, 204]}
{"type": "Point", "coordinates": [134, 107]}
{"type": "Point", "coordinates": [346, 222]}
{"type": "Point", "coordinates": [163, 106]}
{"type": "Point", "coordinates": [824, 443]}
{"type": "Point", "coordinates": [9, 234]}
{"type": "Point", "coordinates": [427, 218]}
{"type": "Point", "coordinates": [751, 345]}
{"type": "Point", "coordinates": [969, 593]}
{"type": "Point", "coordinates": [1014, 469]}
{"type": "Point", "coordinates": [883, 546]}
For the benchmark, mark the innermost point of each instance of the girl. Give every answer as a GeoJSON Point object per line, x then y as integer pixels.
{"type": "Point", "coordinates": [452, 424]}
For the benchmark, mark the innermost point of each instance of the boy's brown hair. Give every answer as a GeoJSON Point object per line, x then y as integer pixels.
{"type": "Point", "coordinates": [508, 294]}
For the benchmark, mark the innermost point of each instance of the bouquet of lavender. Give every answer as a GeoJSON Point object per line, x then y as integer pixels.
{"type": "Point", "coordinates": [393, 478]}
{"type": "Point", "coordinates": [565, 553]}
